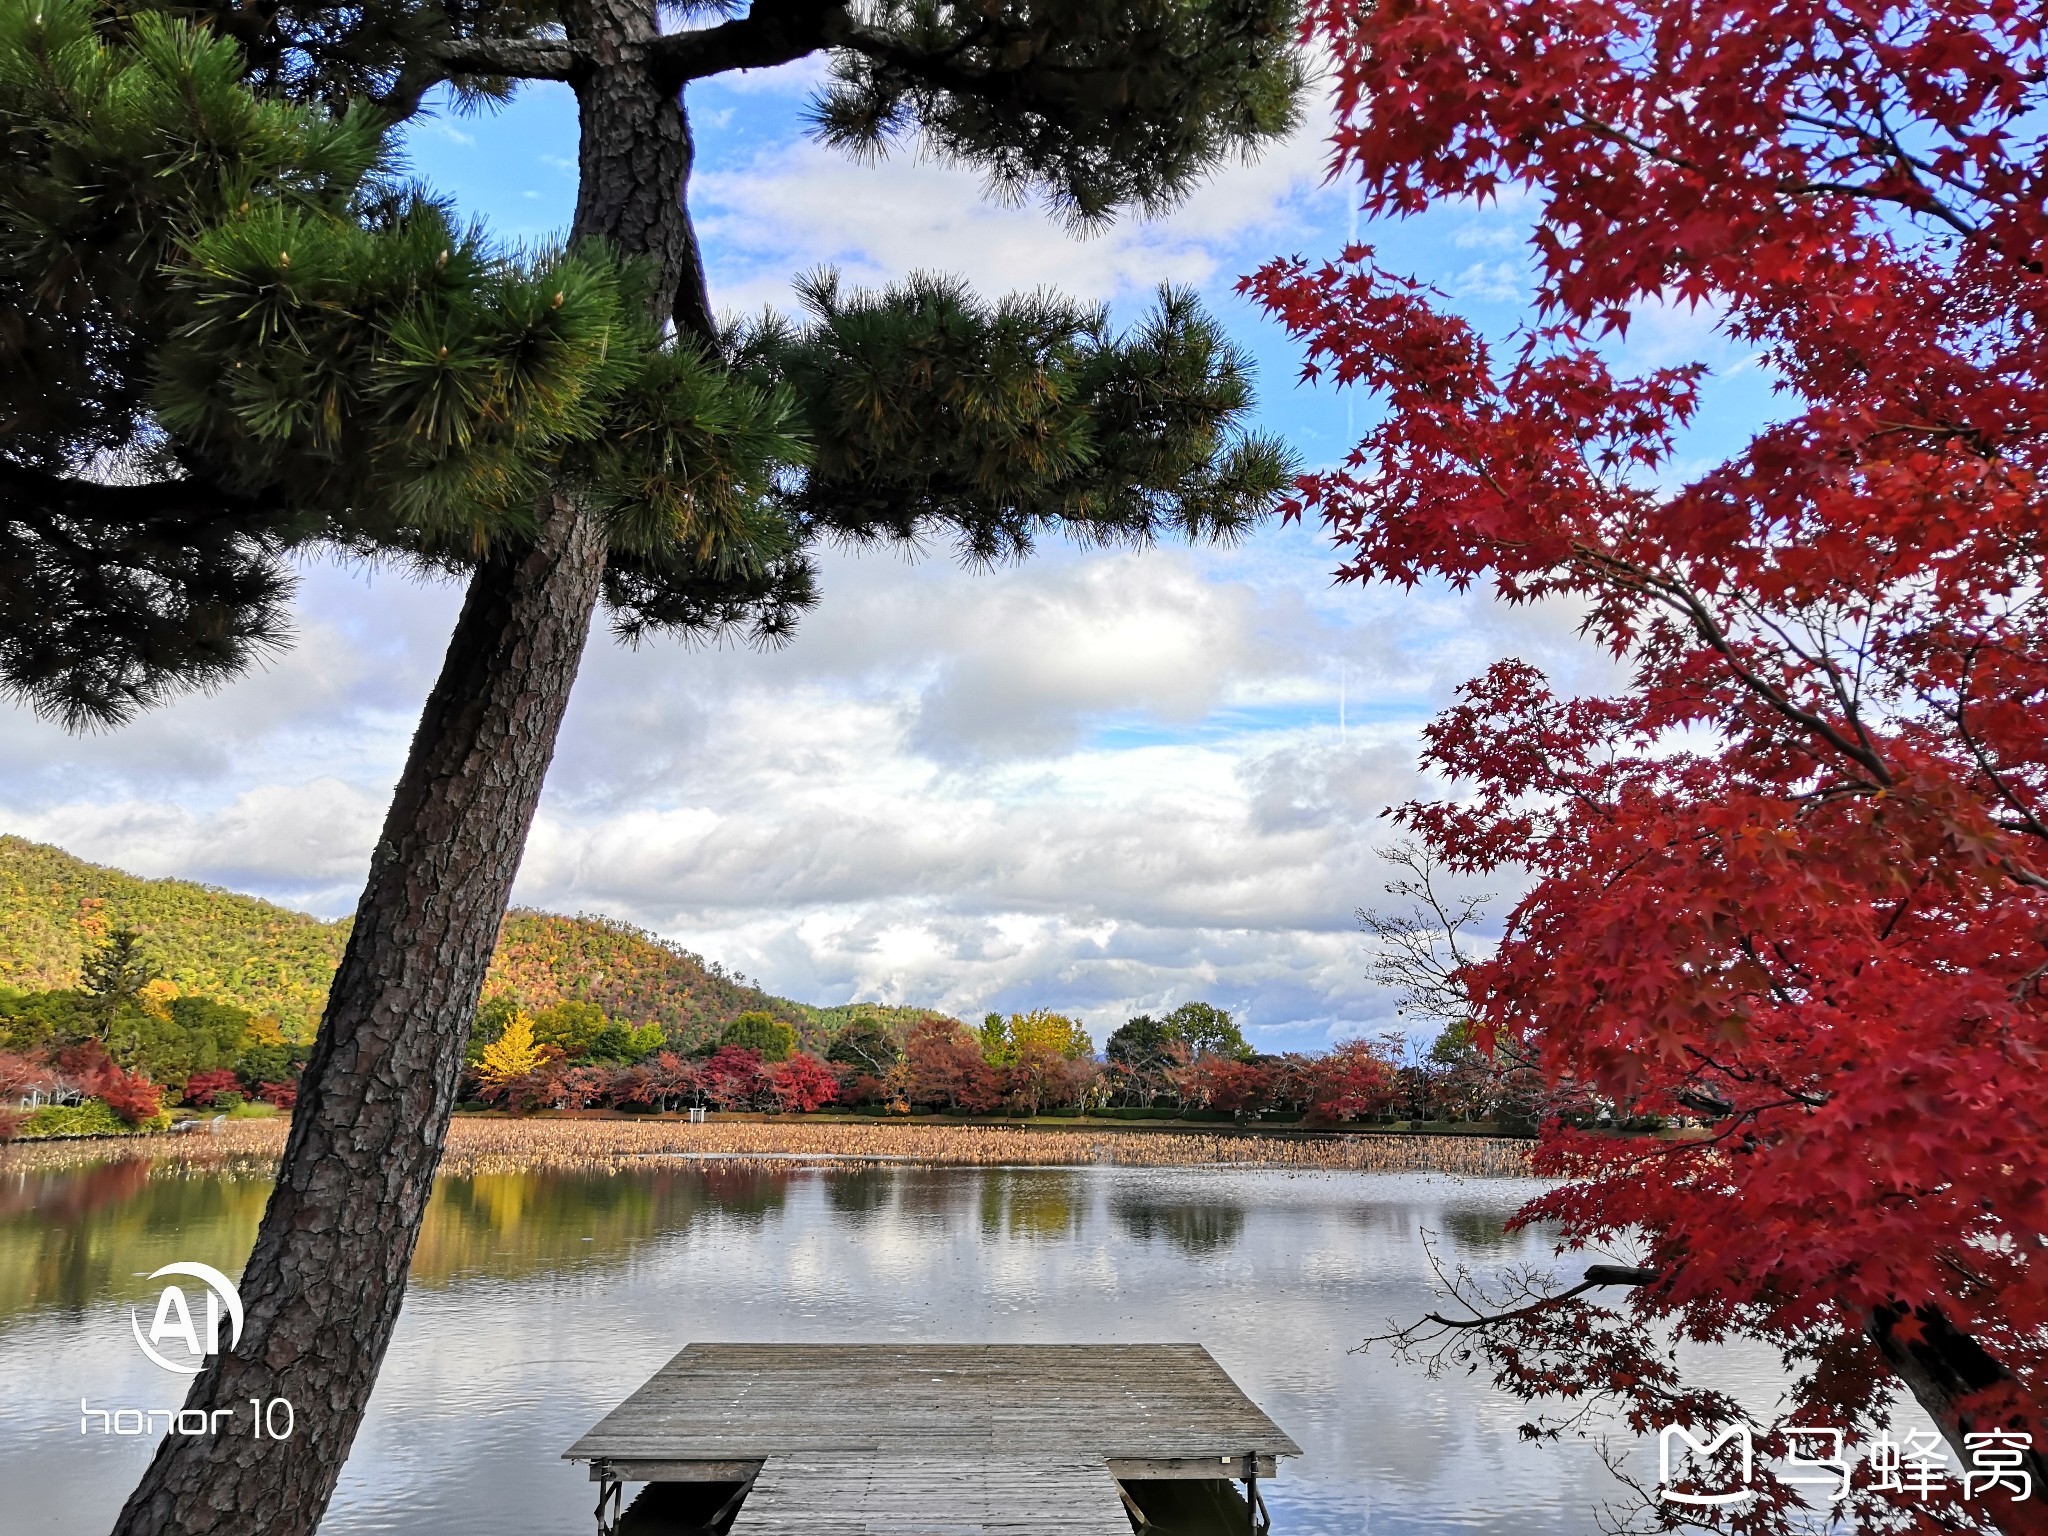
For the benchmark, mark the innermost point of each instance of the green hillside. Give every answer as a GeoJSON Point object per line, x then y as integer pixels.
{"type": "Point", "coordinates": [633, 976]}
{"type": "Point", "coordinates": [269, 959]}
{"type": "Point", "coordinates": [214, 943]}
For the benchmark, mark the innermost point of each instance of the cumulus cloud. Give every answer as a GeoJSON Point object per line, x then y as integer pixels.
{"type": "Point", "coordinates": [1099, 781]}
{"type": "Point", "coordinates": [306, 844]}
{"type": "Point", "coordinates": [758, 213]}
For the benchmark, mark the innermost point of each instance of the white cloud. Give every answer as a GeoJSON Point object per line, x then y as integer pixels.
{"type": "Point", "coordinates": [1491, 282]}
{"type": "Point", "coordinates": [1100, 781]}
{"type": "Point", "coordinates": [307, 844]}
{"type": "Point", "coordinates": [760, 221]}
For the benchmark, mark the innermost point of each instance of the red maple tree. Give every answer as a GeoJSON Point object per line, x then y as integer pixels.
{"type": "Point", "coordinates": [802, 1084]}
{"type": "Point", "coordinates": [1791, 881]}
{"type": "Point", "coordinates": [734, 1079]}
{"type": "Point", "coordinates": [947, 1071]}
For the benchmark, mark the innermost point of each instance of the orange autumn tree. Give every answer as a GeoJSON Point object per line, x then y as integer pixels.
{"type": "Point", "coordinates": [1790, 881]}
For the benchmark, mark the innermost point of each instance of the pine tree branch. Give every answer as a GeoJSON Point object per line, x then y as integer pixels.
{"type": "Point", "coordinates": [1034, 79]}
{"type": "Point", "coordinates": [40, 498]}
{"type": "Point", "coordinates": [520, 58]}
{"type": "Point", "coordinates": [773, 32]}
{"type": "Point", "coordinates": [115, 597]}
{"type": "Point", "coordinates": [691, 305]}
{"type": "Point", "coordinates": [528, 58]}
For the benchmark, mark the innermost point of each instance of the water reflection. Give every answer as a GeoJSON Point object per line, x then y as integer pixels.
{"type": "Point", "coordinates": [858, 1192]}
{"type": "Point", "coordinates": [510, 1226]}
{"type": "Point", "coordinates": [749, 1192]}
{"type": "Point", "coordinates": [539, 1301]}
{"type": "Point", "coordinates": [1194, 1229]}
{"type": "Point", "coordinates": [71, 1237]}
{"type": "Point", "coordinates": [1476, 1229]}
{"type": "Point", "coordinates": [1031, 1203]}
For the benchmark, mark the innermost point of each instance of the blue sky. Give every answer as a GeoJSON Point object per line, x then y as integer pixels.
{"type": "Point", "coordinates": [1099, 782]}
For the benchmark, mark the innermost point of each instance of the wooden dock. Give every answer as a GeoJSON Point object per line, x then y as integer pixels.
{"type": "Point", "coordinates": [933, 1439]}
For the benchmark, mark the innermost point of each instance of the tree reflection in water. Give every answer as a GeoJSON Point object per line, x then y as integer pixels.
{"type": "Point", "coordinates": [1032, 1203]}
{"type": "Point", "coordinates": [858, 1193]}
{"type": "Point", "coordinates": [1194, 1227]}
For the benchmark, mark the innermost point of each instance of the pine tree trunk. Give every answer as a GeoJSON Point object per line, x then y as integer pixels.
{"type": "Point", "coordinates": [325, 1281]}
{"type": "Point", "coordinates": [323, 1286]}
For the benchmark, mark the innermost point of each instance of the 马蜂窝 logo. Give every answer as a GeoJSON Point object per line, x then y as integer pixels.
{"type": "Point", "coordinates": [1666, 1476]}
{"type": "Point", "coordinates": [175, 1321]}
{"type": "Point", "coordinates": [1726, 1464]}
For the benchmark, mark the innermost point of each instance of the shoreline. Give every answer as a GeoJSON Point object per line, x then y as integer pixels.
{"type": "Point", "coordinates": [481, 1145]}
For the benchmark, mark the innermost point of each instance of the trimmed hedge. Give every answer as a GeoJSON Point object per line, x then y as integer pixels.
{"type": "Point", "coordinates": [91, 1118]}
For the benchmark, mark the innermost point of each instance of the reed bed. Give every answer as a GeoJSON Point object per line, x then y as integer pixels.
{"type": "Point", "coordinates": [492, 1146]}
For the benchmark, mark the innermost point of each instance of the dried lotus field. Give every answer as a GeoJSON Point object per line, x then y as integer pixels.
{"type": "Point", "coordinates": [483, 1145]}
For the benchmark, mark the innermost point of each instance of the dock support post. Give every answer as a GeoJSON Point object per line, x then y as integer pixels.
{"type": "Point", "coordinates": [1260, 1523]}
{"type": "Point", "coordinates": [610, 1495]}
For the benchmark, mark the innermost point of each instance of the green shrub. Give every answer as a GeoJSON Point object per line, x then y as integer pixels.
{"type": "Point", "coordinates": [92, 1118]}
{"type": "Point", "coordinates": [256, 1110]}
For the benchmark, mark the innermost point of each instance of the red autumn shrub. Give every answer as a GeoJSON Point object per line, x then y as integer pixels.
{"type": "Point", "coordinates": [18, 1074]}
{"type": "Point", "coordinates": [1221, 1083]}
{"type": "Point", "coordinates": [861, 1088]}
{"type": "Point", "coordinates": [131, 1096]}
{"type": "Point", "coordinates": [202, 1087]}
{"type": "Point", "coordinates": [669, 1081]}
{"type": "Point", "coordinates": [87, 1068]}
{"type": "Point", "coordinates": [284, 1095]}
{"type": "Point", "coordinates": [1355, 1078]}
{"type": "Point", "coordinates": [584, 1088]}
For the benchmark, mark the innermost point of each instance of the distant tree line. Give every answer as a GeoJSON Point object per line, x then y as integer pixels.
{"type": "Point", "coordinates": [1193, 1060]}
{"type": "Point", "coordinates": [125, 1044]}
{"type": "Point", "coordinates": [110, 1053]}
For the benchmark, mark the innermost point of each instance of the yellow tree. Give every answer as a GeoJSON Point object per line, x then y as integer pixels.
{"type": "Point", "coordinates": [514, 1053]}
{"type": "Point", "coordinates": [1044, 1030]}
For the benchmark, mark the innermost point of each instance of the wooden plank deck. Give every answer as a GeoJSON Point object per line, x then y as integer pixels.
{"type": "Point", "coordinates": [935, 1439]}
{"type": "Point", "coordinates": [862, 1493]}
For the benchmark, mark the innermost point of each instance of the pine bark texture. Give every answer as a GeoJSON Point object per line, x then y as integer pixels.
{"type": "Point", "coordinates": [635, 153]}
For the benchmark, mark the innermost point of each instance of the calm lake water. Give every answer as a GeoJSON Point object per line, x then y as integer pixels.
{"type": "Point", "coordinates": [539, 1301]}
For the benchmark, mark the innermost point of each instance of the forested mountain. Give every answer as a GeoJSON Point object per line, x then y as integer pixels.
{"type": "Point", "coordinates": [633, 976]}
{"type": "Point", "coordinates": [212, 943]}
{"type": "Point", "coordinates": [268, 959]}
